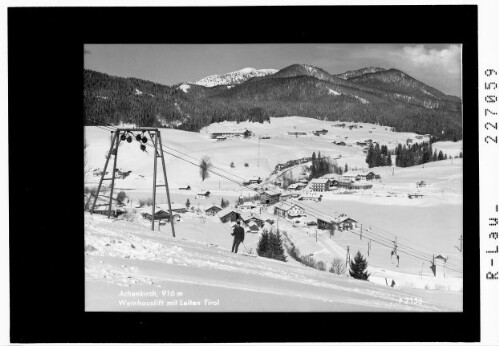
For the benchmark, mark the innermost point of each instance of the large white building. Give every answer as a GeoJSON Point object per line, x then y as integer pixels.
{"type": "Point", "coordinates": [319, 185]}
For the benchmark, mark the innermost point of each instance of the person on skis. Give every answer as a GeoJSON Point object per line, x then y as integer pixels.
{"type": "Point", "coordinates": [238, 234]}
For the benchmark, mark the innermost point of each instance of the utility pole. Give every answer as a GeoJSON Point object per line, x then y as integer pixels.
{"type": "Point", "coordinates": [461, 244]}
{"type": "Point", "coordinates": [360, 231]}
{"type": "Point", "coordinates": [348, 259]}
{"type": "Point", "coordinates": [258, 162]}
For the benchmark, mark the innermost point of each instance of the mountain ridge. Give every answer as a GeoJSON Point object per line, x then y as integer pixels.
{"type": "Point", "coordinates": [386, 96]}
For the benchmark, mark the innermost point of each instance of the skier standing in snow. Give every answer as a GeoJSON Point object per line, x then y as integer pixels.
{"type": "Point", "coordinates": [238, 234]}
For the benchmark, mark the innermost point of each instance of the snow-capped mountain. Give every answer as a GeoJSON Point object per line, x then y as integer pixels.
{"type": "Point", "coordinates": [371, 94]}
{"type": "Point", "coordinates": [234, 78]}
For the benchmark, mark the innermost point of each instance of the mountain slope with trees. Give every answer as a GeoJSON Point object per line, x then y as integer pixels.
{"type": "Point", "coordinates": [373, 95]}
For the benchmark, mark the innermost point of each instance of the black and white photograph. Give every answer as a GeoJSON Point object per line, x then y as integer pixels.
{"type": "Point", "coordinates": [273, 177]}
{"type": "Point", "coordinates": [250, 173]}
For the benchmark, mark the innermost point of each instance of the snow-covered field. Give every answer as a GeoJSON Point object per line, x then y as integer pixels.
{"type": "Point", "coordinates": [199, 263]}
{"type": "Point", "coordinates": [130, 268]}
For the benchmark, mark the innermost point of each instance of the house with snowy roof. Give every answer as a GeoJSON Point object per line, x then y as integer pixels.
{"type": "Point", "coordinates": [269, 197]}
{"type": "Point", "coordinates": [213, 210]}
{"type": "Point", "coordinates": [288, 210]}
{"type": "Point", "coordinates": [250, 217]}
{"type": "Point", "coordinates": [161, 213]}
{"type": "Point", "coordinates": [340, 223]}
{"type": "Point", "coordinates": [319, 184]}
{"type": "Point", "coordinates": [176, 207]}
{"type": "Point", "coordinates": [203, 195]}
{"type": "Point", "coordinates": [247, 206]}
{"type": "Point", "coordinates": [296, 186]}
{"type": "Point", "coordinates": [350, 176]}
{"type": "Point", "coordinates": [228, 215]}
{"type": "Point", "coordinates": [231, 134]}
{"type": "Point", "coordinates": [310, 197]}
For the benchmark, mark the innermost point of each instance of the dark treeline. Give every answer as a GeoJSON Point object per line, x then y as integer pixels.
{"type": "Point", "coordinates": [323, 165]}
{"type": "Point", "coordinates": [406, 155]}
{"type": "Point", "coordinates": [111, 100]}
{"type": "Point", "coordinates": [378, 156]}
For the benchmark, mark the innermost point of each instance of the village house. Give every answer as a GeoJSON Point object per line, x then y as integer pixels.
{"type": "Point", "coordinates": [339, 223]}
{"type": "Point", "coordinates": [297, 133]}
{"type": "Point", "coordinates": [184, 187]}
{"type": "Point", "coordinates": [357, 185]}
{"type": "Point", "coordinates": [254, 180]}
{"type": "Point", "coordinates": [319, 184]}
{"type": "Point", "coordinates": [320, 132]}
{"type": "Point", "coordinates": [310, 197]}
{"type": "Point", "coordinates": [421, 183]}
{"type": "Point", "coordinates": [269, 197]}
{"type": "Point", "coordinates": [289, 211]}
{"type": "Point", "coordinates": [203, 195]}
{"type": "Point", "coordinates": [289, 195]}
{"type": "Point", "coordinates": [296, 186]}
{"type": "Point", "coordinates": [253, 227]}
{"type": "Point", "coordinates": [334, 179]}
{"type": "Point", "coordinates": [250, 217]}
{"type": "Point", "coordinates": [415, 195]}
{"type": "Point", "coordinates": [161, 214]}
{"type": "Point", "coordinates": [366, 175]}
{"type": "Point", "coordinates": [221, 138]}
{"type": "Point", "coordinates": [104, 210]}
{"type": "Point", "coordinates": [350, 176]}
{"type": "Point", "coordinates": [247, 206]}
{"type": "Point", "coordinates": [228, 215]}
{"type": "Point", "coordinates": [231, 134]}
{"type": "Point", "coordinates": [213, 210]}
{"type": "Point", "coordinates": [340, 143]}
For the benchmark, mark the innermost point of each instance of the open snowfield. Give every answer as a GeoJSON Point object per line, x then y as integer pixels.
{"type": "Point", "coordinates": [130, 268]}
{"type": "Point", "coordinates": [204, 267]}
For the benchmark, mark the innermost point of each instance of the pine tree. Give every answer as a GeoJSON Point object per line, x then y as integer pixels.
{"type": "Point", "coordinates": [346, 168]}
{"type": "Point", "coordinates": [275, 245]}
{"type": "Point", "coordinates": [440, 155]}
{"type": "Point", "coordinates": [188, 203]}
{"type": "Point", "coordinates": [389, 159]}
{"type": "Point", "coordinates": [263, 244]}
{"type": "Point", "coordinates": [435, 156]}
{"type": "Point", "coordinates": [358, 267]}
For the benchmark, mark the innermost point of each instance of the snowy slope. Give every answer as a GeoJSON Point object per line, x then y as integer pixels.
{"type": "Point", "coordinates": [124, 256]}
{"type": "Point", "coordinates": [432, 224]}
{"type": "Point", "coordinates": [233, 78]}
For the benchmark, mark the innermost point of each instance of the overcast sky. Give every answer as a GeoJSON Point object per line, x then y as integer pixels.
{"type": "Point", "coordinates": [438, 65]}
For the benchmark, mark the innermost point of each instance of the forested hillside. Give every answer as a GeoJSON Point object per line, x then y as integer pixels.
{"type": "Point", "coordinates": [374, 95]}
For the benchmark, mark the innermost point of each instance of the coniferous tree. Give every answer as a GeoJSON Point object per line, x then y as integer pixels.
{"type": "Point", "coordinates": [461, 155]}
{"type": "Point", "coordinates": [358, 267]}
{"type": "Point", "coordinates": [440, 155]}
{"type": "Point", "coordinates": [346, 168]}
{"type": "Point", "coordinates": [263, 244]}
{"type": "Point", "coordinates": [188, 203]}
{"type": "Point", "coordinates": [276, 247]}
